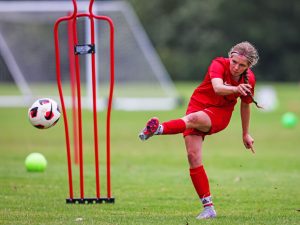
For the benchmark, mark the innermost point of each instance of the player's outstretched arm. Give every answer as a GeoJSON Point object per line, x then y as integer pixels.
{"type": "Point", "coordinates": [222, 89]}
{"type": "Point", "coordinates": [245, 118]}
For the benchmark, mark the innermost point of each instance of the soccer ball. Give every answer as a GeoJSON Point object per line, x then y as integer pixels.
{"type": "Point", "coordinates": [44, 113]}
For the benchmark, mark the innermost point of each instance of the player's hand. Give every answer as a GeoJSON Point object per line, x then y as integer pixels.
{"type": "Point", "coordinates": [244, 89]}
{"type": "Point", "coordinates": [248, 142]}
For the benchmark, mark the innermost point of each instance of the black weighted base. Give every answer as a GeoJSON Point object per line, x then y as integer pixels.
{"type": "Point", "coordinates": [89, 200]}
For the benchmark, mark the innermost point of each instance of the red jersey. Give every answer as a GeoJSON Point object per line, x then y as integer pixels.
{"type": "Point", "coordinates": [205, 95]}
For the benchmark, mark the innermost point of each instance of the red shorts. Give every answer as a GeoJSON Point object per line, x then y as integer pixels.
{"type": "Point", "coordinates": [220, 118]}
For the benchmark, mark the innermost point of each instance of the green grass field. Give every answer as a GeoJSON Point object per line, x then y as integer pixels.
{"type": "Point", "coordinates": [150, 180]}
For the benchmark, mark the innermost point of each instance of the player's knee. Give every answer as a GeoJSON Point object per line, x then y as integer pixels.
{"type": "Point", "coordinates": [194, 159]}
{"type": "Point", "coordinates": [196, 120]}
{"type": "Point", "coordinates": [191, 156]}
{"type": "Point", "coordinates": [193, 119]}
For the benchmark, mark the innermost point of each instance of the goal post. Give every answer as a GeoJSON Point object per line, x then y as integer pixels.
{"type": "Point", "coordinates": [141, 80]}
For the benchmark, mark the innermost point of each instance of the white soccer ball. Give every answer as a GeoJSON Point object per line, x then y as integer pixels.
{"type": "Point", "coordinates": [44, 113]}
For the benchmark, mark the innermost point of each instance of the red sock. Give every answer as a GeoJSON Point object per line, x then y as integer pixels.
{"type": "Point", "coordinates": [200, 181]}
{"type": "Point", "coordinates": [174, 126]}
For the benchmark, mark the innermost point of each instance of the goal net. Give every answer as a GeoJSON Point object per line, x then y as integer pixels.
{"type": "Point", "coordinates": [27, 56]}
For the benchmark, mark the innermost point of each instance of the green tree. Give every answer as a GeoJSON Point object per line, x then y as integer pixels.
{"type": "Point", "coordinates": [189, 34]}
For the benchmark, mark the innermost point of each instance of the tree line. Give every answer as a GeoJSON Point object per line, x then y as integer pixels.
{"type": "Point", "coordinates": [189, 34]}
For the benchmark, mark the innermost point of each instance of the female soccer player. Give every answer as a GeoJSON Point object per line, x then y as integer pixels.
{"type": "Point", "coordinates": [209, 111]}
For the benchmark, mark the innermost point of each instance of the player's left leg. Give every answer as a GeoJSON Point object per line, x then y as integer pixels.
{"type": "Point", "coordinates": [198, 175]}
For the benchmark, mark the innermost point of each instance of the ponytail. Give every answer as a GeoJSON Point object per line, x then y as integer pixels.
{"type": "Point", "coordinates": [246, 80]}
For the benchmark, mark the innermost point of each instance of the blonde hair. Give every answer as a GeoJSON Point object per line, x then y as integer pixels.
{"type": "Point", "coordinates": [249, 51]}
{"type": "Point", "coordinates": [245, 49]}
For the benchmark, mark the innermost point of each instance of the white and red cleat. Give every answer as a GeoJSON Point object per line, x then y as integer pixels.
{"type": "Point", "coordinates": [207, 213]}
{"type": "Point", "coordinates": [150, 129]}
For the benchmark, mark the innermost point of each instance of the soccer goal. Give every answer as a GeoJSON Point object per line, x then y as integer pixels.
{"type": "Point", "coordinates": [27, 60]}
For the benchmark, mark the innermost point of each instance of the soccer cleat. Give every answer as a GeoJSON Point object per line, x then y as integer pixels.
{"type": "Point", "coordinates": [150, 129]}
{"type": "Point", "coordinates": [207, 213]}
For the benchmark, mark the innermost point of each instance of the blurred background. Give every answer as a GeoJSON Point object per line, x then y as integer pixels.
{"type": "Point", "coordinates": [158, 42]}
{"type": "Point", "coordinates": [188, 34]}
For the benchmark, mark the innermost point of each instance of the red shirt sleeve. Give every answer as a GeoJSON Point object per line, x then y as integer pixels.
{"type": "Point", "coordinates": [216, 69]}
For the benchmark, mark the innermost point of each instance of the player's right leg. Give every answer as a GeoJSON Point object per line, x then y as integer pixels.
{"type": "Point", "coordinates": [197, 120]}
{"type": "Point", "coordinates": [153, 127]}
